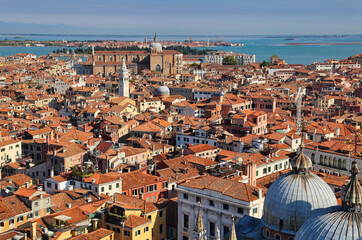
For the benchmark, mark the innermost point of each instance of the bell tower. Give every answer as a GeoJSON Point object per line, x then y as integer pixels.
{"type": "Point", "coordinates": [123, 81]}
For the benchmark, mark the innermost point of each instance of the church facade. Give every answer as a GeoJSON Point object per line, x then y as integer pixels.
{"type": "Point", "coordinates": [158, 60]}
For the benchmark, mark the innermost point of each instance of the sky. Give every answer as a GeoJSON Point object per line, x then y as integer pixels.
{"type": "Point", "coordinates": [199, 17]}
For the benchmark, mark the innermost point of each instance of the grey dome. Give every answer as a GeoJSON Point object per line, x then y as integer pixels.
{"type": "Point", "coordinates": [343, 223]}
{"type": "Point", "coordinates": [335, 225]}
{"type": "Point", "coordinates": [293, 198]}
{"type": "Point", "coordinates": [163, 90]}
{"type": "Point", "coordinates": [157, 46]}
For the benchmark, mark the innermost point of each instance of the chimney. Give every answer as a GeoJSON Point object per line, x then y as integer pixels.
{"type": "Point", "coordinates": [33, 230]}
{"type": "Point", "coordinates": [252, 174]}
{"type": "Point", "coordinates": [95, 224]}
{"type": "Point", "coordinates": [164, 148]}
{"type": "Point", "coordinates": [260, 193]}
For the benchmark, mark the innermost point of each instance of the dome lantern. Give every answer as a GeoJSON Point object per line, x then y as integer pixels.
{"type": "Point", "coordinates": [351, 195]}
{"type": "Point", "coordinates": [301, 164]}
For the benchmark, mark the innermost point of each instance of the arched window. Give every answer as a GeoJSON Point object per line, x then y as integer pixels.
{"type": "Point", "coordinates": [321, 159]}
{"type": "Point", "coordinates": [344, 165]}
{"type": "Point", "coordinates": [158, 68]}
{"type": "Point", "coordinates": [335, 163]}
{"type": "Point", "coordinates": [277, 236]}
{"type": "Point", "coordinates": [313, 155]}
{"type": "Point", "coordinates": [267, 233]}
{"type": "Point", "coordinates": [330, 162]}
{"type": "Point", "coordinates": [110, 59]}
{"type": "Point", "coordinates": [100, 58]}
{"type": "Point", "coordinates": [339, 163]}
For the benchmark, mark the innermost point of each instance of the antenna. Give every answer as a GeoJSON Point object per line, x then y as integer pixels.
{"type": "Point", "coordinates": [298, 101]}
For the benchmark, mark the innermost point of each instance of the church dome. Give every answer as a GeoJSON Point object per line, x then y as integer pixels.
{"type": "Point", "coordinates": [295, 196]}
{"type": "Point", "coordinates": [156, 46]}
{"type": "Point", "coordinates": [334, 225]}
{"type": "Point", "coordinates": [345, 222]}
{"type": "Point", "coordinates": [163, 90]}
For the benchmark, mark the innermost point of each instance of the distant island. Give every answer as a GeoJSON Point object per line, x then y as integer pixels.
{"type": "Point", "coordinates": [327, 43]}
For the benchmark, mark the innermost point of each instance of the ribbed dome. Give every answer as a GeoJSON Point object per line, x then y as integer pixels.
{"type": "Point", "coordinates": [163, 90]}
{"type": "Point", "coordinates": [157, 46]}
{"type": "Point", "coordinates": [343, 223]}
{"type": "Point", "coordinates": [335, 225]}
{"type": "Point", "coordinates": [293, 198]}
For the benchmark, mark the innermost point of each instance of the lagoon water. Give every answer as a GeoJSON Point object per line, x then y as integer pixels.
{"type": "Point", "coordinates": [262, 46]}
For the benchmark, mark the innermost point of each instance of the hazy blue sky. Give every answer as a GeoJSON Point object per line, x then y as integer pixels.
{"type": "Point", "coordinates": [237, 17]}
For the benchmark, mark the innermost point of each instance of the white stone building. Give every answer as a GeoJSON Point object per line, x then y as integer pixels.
{"type": "Point", "coordinates": [98, 183]}
{"type": "Point", "coordinates": [219, 200]}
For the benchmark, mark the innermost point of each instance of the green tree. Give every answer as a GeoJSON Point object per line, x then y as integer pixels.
{"type": "Point", "coordinates": [70, 51]}
{"type": "Point", "coordinates": [230, 60]}
{"type": "Point", "coordinates": [265, 63]}
{"type": "Point", "coordinates": [194, 65]}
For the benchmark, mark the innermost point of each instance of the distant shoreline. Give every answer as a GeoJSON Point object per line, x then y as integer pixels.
{"type": "Point", "coordinates": [325, 43]}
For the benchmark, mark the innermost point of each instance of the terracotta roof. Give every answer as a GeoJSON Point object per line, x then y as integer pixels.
{"type": "Point", "coordinates": [95, 235]}
{"type": "Point", "coordinates": [134, 221]}
{"type": "Point", "coordinates": [236, 190]}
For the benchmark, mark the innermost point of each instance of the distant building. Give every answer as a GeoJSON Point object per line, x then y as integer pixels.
{"type": "Point", "coordinates": [218, 57]}
{"type": "Point", "coordinates": [158, 60]}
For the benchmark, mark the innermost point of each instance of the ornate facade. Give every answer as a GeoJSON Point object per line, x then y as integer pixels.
{"type": "Point", "coordinates": [158, 60]}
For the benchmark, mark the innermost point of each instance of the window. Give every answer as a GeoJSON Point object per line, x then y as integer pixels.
{"type": "Point", "coordinates": [226, 229]}
{"type": "Point", "coordinates": [255, 210]}
{"type": "Point", "coordinates": [49, 185]}
{"type": "Point", "coordinates": [225, 206]}
{"type": "Point", "coordinates": [161, 228]}
{"type": "Point", "coordinates": [138, 232]}
{"type": "Point", "coordinates": [186, 196]}
{"type": "Point", "coordinates": [36, 204]}
{"type": "Point", "coordinates": [198, 199]}
{"type": "Point", "coordinates": [118, 230]}
{"type": "Point", "coordinates": [134, 192]}
{"type": "Point", "coordinates": [110, 187]}
{"type": "Point", "coordinates": [240, 210]}
{"type": "Point", "coordinates": [161, 213]}
{"type": "Point", "coordinates": [280, 223]}
{"type": "Point", "coordinates": [211, 203]}
{"type": "Point", "coordinates": [257, 173]}
{"type": "Point", "coordinates": [149, 217]}
{"type": "Point", "coordinates": [277, 236]}
{"type": "Point", "coordinates": [264, 171]}
{"type": "Point", "coordinates": [126, 233]}
{"type": "Point", "coordinates": [117, 185]}
{"type": "Point", "coordinates": [212, 229]}
{"type": "Point", "coordinates": [145, 229]}
{"type": "Point", "coordinates": [186, 221]}
{"type": "Point", "coordinates": [185, 238]}
{"type": "Point", "coordinates": [102, 189]}
{"type": "Point", "coordinates": [36, 213]}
